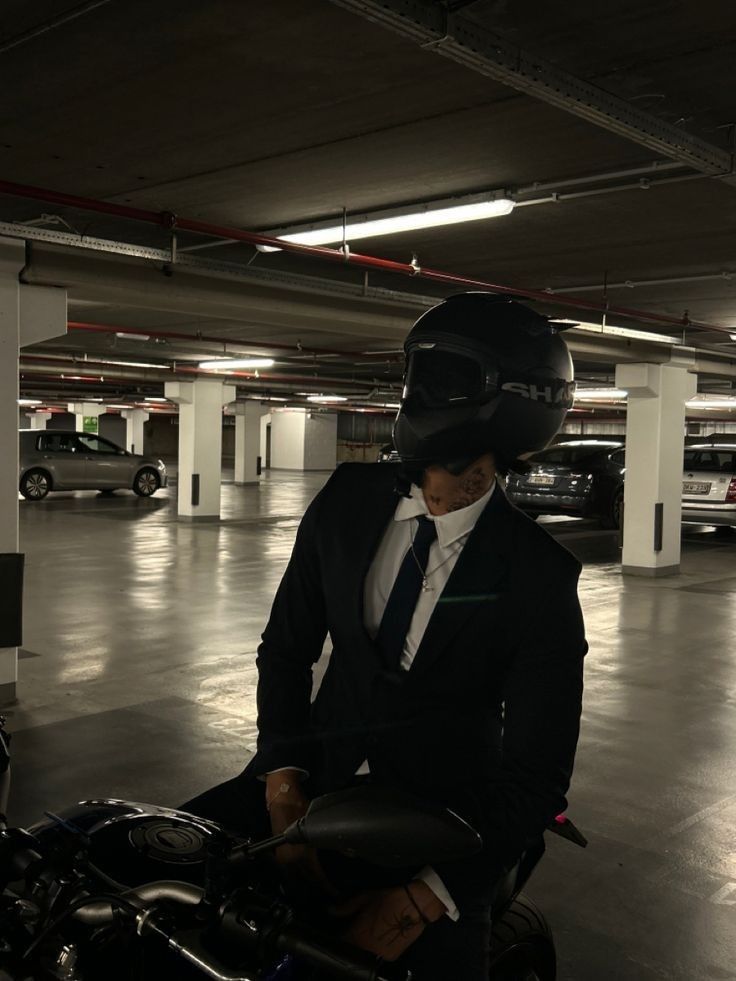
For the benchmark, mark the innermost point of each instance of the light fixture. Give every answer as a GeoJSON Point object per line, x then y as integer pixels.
{"type": "Point", "coordinates": [414, 217]}
{"type": "Point", "coordinates": [29, 402]}
{"type": "Point", "coordinates": [711, 402]}
{"type": "Point", "coordinates": [132, 337]}
{"type": "Point", "coordinates": [154, 398]}
{"type": "Point", "coordinates": [131, 364]}
{"type": "Point", "coordinates": [267, 398]}
{"type": "Point", "coordinates": [326, 398]}
{"type": "Point", "coordinates": [110, 405]}
{"type": "Point", "coordinates": [633, 333]}
{"type": "Point", "coordinates": [600, 394]}
{"type": "Point", "coordinates": [231, 364]}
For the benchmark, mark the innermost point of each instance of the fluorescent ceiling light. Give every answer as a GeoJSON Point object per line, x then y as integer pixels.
{"type": "Point", "coordinates": [267, 398]}
{"type": "Point", "coordinates": [111, 406]}
{"type": "Point", "coordinates": [154, 398]}
{"type": "Point", "coordinates": [326, 398]}
{"type": "Point", "coordinates": [230, 364]}
{"type": "Point", "coordinates": [132, 364]}
{"type": "Point", "coordinates": [451, 211]}
{"type": "Point", "coordinates": [600, 394]}
{"type": "Point", "coordinates": [29, 402]}
{"type": "Point", "coordinates": [132, 337]}
{"type": "Point", "coordinates": [711, 402]}
{"type": "Point", "coordinates": [639, 335]}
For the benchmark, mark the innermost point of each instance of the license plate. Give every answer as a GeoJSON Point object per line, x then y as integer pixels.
{"type": "Point", "coordinates": [695, 487]}
{"type": "Point", "coordinates": [541, 480]}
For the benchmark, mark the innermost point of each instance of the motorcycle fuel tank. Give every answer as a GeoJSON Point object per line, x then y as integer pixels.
{"type": "Point", "coordinates": [135, 843]}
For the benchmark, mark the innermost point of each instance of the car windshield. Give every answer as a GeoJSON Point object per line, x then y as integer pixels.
{"type": "Point", "coordinates": [713, 460]}
{"type": "Point", "coordinates": [571, 453]}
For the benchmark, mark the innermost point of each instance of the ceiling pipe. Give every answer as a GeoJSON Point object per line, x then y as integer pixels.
{"type": "Point", "coordinates": [725, 274]}
{"type": "Point", "coordinates": [171, 222]}
{"type": "Point", "coordinates": [225, 341]}
{"type": "Point", "coordinates": [162, 375]}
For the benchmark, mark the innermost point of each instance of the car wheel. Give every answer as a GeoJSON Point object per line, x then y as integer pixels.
{"type": "Point", "coordinates": [35, 485]}
{"type": "Point", "coordinates": [146, 482]}
{"type": "Point", "coordinates": [614, 516]}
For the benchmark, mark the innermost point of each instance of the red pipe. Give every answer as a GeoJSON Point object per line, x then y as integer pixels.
{"type": "Point", "coordinates": [170, 221]}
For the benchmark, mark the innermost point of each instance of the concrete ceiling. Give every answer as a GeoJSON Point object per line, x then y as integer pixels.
{"type": "Point", "coordinates": [265, 115]}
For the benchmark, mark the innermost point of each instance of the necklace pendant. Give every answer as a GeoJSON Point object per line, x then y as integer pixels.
{"type": "Point", "coordinates": [426, 588]}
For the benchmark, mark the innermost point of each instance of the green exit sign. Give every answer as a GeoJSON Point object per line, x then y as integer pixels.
{"type": "Point", "coordinates": [90, 424]}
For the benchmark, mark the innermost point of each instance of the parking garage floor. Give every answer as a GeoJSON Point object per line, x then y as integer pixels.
{"type": "Point", "coordinates": [138, 681]}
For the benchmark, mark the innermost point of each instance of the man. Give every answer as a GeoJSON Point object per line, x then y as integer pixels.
{"type": "Point", "coordinates": [456, 669]}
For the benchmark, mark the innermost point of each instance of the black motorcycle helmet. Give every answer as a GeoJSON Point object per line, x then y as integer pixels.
{"type": "Point", "coordinates": [483, 373]}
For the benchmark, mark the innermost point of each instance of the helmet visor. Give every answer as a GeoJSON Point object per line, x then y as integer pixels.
{"type": "Point", "coordinates": [440, 376]}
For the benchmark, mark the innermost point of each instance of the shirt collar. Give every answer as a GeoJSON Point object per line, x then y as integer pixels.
{"type": "Point", "coordinates": [451, 527]}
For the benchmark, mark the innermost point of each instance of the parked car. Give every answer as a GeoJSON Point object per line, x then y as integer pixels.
{"type": "Point", "coordinates": [709, 484]}
{"type": "Point", "coordinates": [583, 478]}
{"type": "Point", "coordinates": [388, 454]}
{"type": "Point", "coordinates": [57, 459]}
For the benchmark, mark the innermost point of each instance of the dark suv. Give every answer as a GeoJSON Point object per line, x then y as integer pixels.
{"type": "Point", "coordinates": [66, 460]}
{"type": "Point", "coordinates": [584, 478]}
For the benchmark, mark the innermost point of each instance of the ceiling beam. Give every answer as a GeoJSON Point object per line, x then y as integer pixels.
{"type": "Point", "coordinates": [435, 27]}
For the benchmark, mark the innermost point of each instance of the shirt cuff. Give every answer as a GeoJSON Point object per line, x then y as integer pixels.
{"type": "Point", "coordinates": [430, 878]}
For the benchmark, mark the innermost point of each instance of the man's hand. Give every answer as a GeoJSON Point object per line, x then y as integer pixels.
{"type": "Point", "coordinates": [286, 803]}
{"type": "Point", "coordinates": [386, 922]}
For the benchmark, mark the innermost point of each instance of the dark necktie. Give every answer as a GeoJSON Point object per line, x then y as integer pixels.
{"type": "Point", "coordinates": [399, 610]}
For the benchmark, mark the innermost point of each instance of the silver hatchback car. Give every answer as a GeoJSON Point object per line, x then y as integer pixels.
{"type": "Point", "coordinates": [709, 484]}
{"type": "Point", "coordinates": [58, 459]}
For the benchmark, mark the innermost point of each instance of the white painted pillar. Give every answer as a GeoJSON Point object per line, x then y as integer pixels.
{"type": "Point", "coordinates": [200, 444]}
{"type": "Point", "coordinates": [320, 441]}
{"type": "Point", "coordinates": [86, 416]}
{"type": "Point", "coordinates": [27, 314]}
{"type": "Point", "coordinates": [38, 420]}
{"type": "Point", "coordinates": [247, 441]}
{"type": "Point", "coordinates": [287, 438]}
{"type": "Point", "coordinates": [655, 438]}
{"type": "Point", "coordinates": [134, 419]}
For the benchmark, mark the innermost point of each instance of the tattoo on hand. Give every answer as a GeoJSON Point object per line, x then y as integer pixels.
{"type": "Point", "coordinates": [402, 924]}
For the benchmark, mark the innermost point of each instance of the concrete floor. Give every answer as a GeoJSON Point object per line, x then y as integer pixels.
{"type": "Point", "coordinates": [138, 681]}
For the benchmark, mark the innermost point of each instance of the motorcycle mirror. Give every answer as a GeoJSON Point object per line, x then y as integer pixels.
{"type": "Point", "coordinates": [385, 827]}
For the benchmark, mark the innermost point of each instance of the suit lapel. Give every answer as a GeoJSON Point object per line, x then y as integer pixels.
{"type": "Point", "coordinates": [478, 579]}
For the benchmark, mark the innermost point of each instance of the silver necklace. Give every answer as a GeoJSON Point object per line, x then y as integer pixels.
{"type": "Point", "coordinates": [426, 588]}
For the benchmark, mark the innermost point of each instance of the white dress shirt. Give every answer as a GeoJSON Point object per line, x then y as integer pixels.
{"type": "Point", "coordinates": [453, 530]}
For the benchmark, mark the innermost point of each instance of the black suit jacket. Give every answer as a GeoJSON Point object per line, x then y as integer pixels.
{"type": "Point", "coordinates": [485, 721]}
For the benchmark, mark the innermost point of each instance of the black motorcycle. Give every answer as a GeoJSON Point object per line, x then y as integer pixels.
{"type": "Point", "coordinates": [118, 891]}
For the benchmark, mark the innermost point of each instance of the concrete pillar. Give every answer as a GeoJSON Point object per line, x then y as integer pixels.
{"type": "Point", "coordinates": [86, 416]}
{"type": "Point", "coordinates": [200, 444]}
{"type": "Point", "coordinates": [38, 420]}
{"type": "Point", "coordinates": [134, 419]}
{"type": "Point", "coordinates": [302, 440]}
{"type": "Point", "coordinates": [27, 314]}
{"type": "Point", "coordinates": [247, 441]}
{"type": "Point", "coordinates": [655, 438]}
{"type": "Point", "coordinates": [320, 441]}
